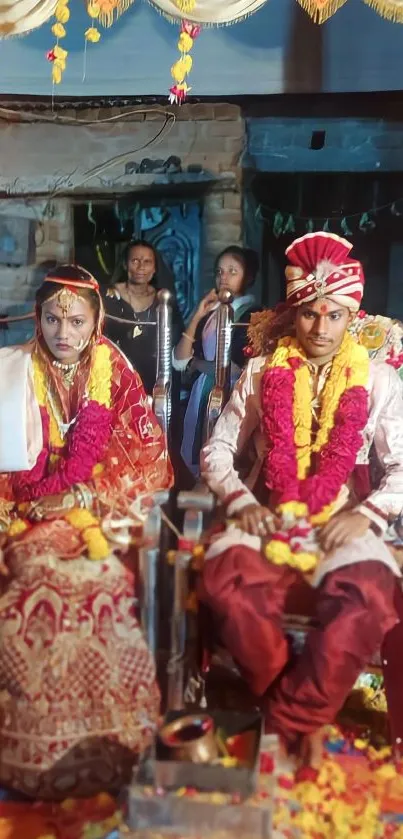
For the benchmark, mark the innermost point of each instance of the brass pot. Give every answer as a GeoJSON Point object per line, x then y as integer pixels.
{"type": "Point", "coordinates": [191, 738]}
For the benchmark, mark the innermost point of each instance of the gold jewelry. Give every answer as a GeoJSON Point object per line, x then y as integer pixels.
{"type": "Point", "coordinates": [65, 299]}
{"type": "Point", "coordinates": [185, 335]}
{"type": "Point", "coordinates": [68, 371]}
{"type": "Point", "coordinates": [5, 514]}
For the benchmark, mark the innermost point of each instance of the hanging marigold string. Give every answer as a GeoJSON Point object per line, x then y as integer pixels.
{"type": "Point", "coordinates": [181, 69]}
{"type": "Point", "coordinates": [57, 55]}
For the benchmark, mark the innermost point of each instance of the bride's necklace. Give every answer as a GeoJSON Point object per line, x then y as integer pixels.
{"type": "Point", "coordinates": [64, 427]}
{"type": "Point", "coordinates": [67, 371]}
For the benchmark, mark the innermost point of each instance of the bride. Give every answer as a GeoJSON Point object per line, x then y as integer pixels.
{"type": "Point", "coordinates": [78, 443]}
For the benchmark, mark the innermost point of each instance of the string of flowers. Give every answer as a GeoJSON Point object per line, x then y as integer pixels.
{"type": "Point", "coordinates": [93, 538]}
{"type": "Point", "coordinates": [305, 500]}
{"type": "Point", "coordinates": [57, 55]}
{"type": "Point", "coordinates": [87, 441]}
{"type": "Point", "coordinates": [92, 34]}
{"type": "Point", "coordinates": [79, 459]}
{"type": "Point", "coordinates": [181, 69]}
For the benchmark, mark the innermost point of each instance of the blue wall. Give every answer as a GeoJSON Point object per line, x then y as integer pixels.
{"type": "Point", "coordinates": [360, 52]}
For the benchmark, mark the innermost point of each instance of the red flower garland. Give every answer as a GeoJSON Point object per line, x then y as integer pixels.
{"type": "Point", "coordinates": [87, 444]}
{"type": "Point", "coordinates": [336, 459]}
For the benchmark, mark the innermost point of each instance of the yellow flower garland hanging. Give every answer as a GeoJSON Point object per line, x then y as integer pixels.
{"type": "Point", "coordinates": [181, 69]}
{"type": "Point", "coordinates": [58, 55]}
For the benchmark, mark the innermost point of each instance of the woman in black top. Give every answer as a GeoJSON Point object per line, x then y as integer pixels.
{"type": "Point", "coordinates": [235, 270]}
{"type": "Point", "coordinates": [135, 299]}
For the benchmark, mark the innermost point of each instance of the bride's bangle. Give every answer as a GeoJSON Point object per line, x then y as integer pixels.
{"type": "Point", "coordinates": [83, 496]}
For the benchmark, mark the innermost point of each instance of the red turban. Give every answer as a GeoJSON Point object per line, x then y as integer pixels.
{"type": "Point", "coordinates": [319, 267]}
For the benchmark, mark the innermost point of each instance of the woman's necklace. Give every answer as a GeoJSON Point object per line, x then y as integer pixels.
{"type": "Point", "coordinates": [64, 427]}
{"type": "Point", "coordinates": [145, 314]}
{"type": "Point", "coordinates": [67, 372]}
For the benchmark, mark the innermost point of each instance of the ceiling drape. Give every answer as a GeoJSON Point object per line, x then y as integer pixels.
{"type": "Point", "coordinates": [21, 16]}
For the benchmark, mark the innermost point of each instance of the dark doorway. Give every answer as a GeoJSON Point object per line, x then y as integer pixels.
{"type": "Point", "coordinates": [361, 207]}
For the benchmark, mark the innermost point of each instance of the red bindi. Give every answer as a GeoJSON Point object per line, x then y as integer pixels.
{"type": "Point", "coordinates": [323, 309]}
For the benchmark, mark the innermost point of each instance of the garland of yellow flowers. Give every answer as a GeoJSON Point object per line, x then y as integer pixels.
{"type": "Point", "coordinates": [58, 55]}
{"type": "Point", "coordinates": [350, 370]}
{"type": "Point", "coordinates": [99, 390]}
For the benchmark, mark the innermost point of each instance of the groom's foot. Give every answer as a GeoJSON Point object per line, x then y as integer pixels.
{"type": "Point", "coordinates": [311, 750]}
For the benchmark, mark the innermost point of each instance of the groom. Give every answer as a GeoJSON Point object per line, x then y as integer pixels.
{"type": "Point", "coordinates": [308, 410]}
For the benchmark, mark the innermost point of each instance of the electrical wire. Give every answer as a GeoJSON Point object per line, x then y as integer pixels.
{"type": "Point", "coordinates": [28, 117]}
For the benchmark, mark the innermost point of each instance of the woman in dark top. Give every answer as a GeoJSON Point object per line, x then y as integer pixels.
{"type": "Point", "coordinates": [135, 299]}
{"type": "Point", "coordinates": [235, 269]}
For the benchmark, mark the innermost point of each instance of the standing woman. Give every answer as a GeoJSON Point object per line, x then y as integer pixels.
{"type": "Point", "coordinates": [135, 299]}
{"type": "Point", "coordinates": [235, 270]}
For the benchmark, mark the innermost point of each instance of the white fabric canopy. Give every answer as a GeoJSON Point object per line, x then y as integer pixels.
{"type": "Point", "coordinates": [21, 16]}
{"type": "Point", "coordinates": [211, 11]}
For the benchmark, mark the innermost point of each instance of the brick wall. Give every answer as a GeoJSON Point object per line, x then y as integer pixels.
{"type": "Point", "coordinates": [52, 242]}
{"type": "Point", "coordinates": [208, 138]}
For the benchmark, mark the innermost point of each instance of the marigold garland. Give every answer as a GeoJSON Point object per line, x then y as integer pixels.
{"type": "Point", "coordinates": [58, 55]}
{"type": "Point", "coordinates": [86, 443]}
{"type": "Point", "coordinates": [88, 527]}
{"type": "Point", "coordinates": [179, 91]}
{"type": "Point", "coordinates": [17, 528]}
{"type": "Point", "coordinates": [304, 500]}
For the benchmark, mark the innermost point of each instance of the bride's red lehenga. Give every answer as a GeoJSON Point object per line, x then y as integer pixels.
{"type": "Point", "coordinates": [78, 692]}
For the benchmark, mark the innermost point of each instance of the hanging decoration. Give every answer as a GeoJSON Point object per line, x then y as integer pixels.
{"type": "Point", "coordinates": [22, 16]}
{"type": "Point", "coordinates": [57, 55]}
{"type": "Point", "coordinates": [345, 228]}
{"type": "Point", "coordinates": [181, 69]}
{"type": "Point", "coordinates": [285, 223]}
{"type": "Point", "coordinates": [92, 34]}
{"type": "Point", "coordinates": [110, 10]}
{"type": "Point", "coordinates": [366, 223]}
{"type": "Point", "coordinates": [390, 9]}
{"type": "Point", "coordinates": [208, 12]}
{"type": "Point", "coordinates": [278, 225]}
{"type": "Point", "coordinates": [185, 6]}
{"type": "Point", "coordinates": [321, 10]}
{"type": "Point", "coordinates": [290, 225]}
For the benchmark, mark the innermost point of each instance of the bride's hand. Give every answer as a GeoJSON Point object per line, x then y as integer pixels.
{"type": "Point", "coordinates": [51, 506]}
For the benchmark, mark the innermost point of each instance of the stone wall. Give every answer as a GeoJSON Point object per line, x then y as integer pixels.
{"type": "Point", "coordinates": [52, 241]}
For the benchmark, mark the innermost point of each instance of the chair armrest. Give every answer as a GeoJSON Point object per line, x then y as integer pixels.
{"type": "Point", "coordinates": [200, 498]}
